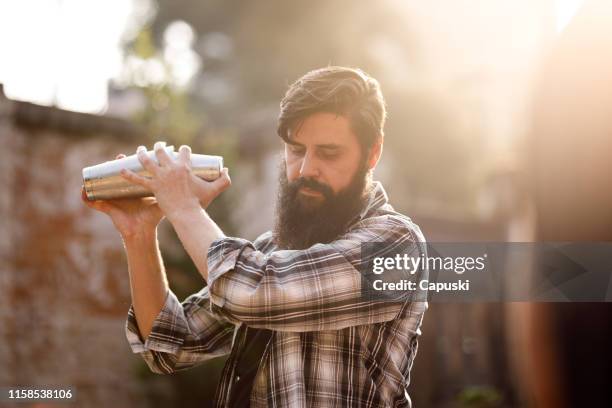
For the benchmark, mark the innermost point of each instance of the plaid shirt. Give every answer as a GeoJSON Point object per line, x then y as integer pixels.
{"type": "Point", "coordinates": [330, 347]}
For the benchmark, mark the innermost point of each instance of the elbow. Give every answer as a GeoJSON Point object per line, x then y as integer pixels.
{"type": "Point", "coordinates": [236, 309]}
{"type": "Point", "coordinates": [233, 314]}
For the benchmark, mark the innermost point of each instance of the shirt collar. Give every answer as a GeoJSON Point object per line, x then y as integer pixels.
{"type": "Point", "coordinates": [377, 197]}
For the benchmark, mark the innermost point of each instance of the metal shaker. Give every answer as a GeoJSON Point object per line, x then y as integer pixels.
{"type": "Point", "coordinates": [103, 181]}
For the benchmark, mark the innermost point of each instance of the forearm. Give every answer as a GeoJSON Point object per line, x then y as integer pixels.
{"type": "Point", "coordinates": [148, 282]}
{"type": "Point", "coordinates": [196, 231]}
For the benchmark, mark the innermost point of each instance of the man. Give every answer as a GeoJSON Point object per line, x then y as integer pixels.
{"type": "Point", "coordinates": [290, 308]}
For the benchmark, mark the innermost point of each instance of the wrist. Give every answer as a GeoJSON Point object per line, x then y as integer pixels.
{"type": "Point", "coordinates": [139, 236]}
{"type": "Point", "coordinates": [185, 213]}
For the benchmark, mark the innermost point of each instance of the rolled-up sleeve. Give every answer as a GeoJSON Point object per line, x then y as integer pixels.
{"type": "Point", "coordinates": [183, 334]}
{"type": "Point", "coordinates": [319, 288]}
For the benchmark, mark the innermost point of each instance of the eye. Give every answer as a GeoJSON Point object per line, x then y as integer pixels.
{"type": "Point", "coordinates": [329, 155]}
{"type": "Point", "coordinates": [297, 150]}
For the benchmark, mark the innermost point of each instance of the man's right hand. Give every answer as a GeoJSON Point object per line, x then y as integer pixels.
{"type": "Point", "coordinates": [131, 216]}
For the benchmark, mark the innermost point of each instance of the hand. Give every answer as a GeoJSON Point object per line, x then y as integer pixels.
{"type": "Point", "coordinates": [131, 216]}
{"type": "Point", "coordinates": [175, 186]}
{"type": "Point", "coordinates": [207, 191]}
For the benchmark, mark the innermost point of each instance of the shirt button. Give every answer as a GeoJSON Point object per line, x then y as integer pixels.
{"type": "Point", "coordinates": [237, 378]}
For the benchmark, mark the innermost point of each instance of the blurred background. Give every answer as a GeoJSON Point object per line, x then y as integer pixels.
{"type": "Point", "coordinates": [499, 129]}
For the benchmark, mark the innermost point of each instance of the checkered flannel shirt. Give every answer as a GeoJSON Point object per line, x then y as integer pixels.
{"type": "Point", "coordinates": [331, 346]}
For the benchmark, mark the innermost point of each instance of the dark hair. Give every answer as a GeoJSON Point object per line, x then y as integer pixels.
{"type": "Point", "coordinates": [344, 91]}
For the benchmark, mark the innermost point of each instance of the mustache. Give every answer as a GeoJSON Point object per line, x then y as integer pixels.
{"type": "Point", "coordinates": [311, 184]}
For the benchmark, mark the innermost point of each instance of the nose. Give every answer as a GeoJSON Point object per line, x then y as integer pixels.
{"type": "Point", "coordinates": [309, 167]}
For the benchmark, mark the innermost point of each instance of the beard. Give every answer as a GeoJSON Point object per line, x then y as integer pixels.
{"type": "Point", "coordinates": [302, 221]}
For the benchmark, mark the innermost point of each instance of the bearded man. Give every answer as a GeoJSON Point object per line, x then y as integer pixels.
{"type": "Point", "coordinates": [289, 307]}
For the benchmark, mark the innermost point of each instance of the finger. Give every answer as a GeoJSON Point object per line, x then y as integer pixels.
{"type": "Point", "coordinates": [160, 152]}
{"type": "Point", "coordinates": [225, 174]}
{"type": "Point", "coordinates": [185, 155]}
{"type": "Point", "coordinates": [84, 198]}
{"type": "Point", "coordinates": [120, 156]}
{"type": "Point", "coordinates": [102, 206]}
{"type": "Point", "coordinates": [146, 161]}
{"type": "Point", "coordinates": [134, 178]}
{"type": "Point", "coordinates": [223, 182]}
{"type": "Point", "coordinates": [99, 205]}
{"type": "Point", "coordinates": [158, 210]}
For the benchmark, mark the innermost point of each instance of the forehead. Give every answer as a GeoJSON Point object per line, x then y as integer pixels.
{"type": "Point", "coordinates": [324, 128]}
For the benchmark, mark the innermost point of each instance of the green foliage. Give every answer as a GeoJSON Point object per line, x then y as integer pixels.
{"type": "Point", "coordinates": [479, 397]}
{"type": "Point", "coordinates": [167, 113]}
{"type": "Point", "coordinates": [167, 116]}
{"type": "Point", "coordinates": [144, 46]}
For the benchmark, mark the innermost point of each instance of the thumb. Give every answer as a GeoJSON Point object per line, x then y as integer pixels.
{"type": "Point", "coordinates": [157, 211]}
{"type": "Point", "coordinates": [223, 182]}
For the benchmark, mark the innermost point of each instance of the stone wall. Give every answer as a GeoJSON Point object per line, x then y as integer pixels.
{"type": "Point", "coordinates": [64, 289]}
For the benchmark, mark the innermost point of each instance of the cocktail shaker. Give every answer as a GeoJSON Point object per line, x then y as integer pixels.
{"type": "Point", "coordinates": [103, 181]}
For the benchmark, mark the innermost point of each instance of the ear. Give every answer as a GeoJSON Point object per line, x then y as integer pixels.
{"type": "Point", "coordinates": [375, 153]}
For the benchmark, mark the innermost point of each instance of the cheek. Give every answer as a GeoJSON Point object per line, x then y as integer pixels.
{"type": "Point", "coordinates": [340, 175]}
{"type": "Point", "coordinates": [292, 167]}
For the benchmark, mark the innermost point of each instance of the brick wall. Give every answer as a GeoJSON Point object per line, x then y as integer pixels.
{"type": "Point", "coordinates": [64, 287]}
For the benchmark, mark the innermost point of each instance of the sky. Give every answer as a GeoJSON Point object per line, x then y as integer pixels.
{"type": "Point", "coordinates": [62, 53]}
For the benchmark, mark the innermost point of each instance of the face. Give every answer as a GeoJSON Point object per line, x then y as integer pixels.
{"type": "Point", "coordinates": [325, 153]}
{"type": "Point", "coordinates": [322, 183]}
